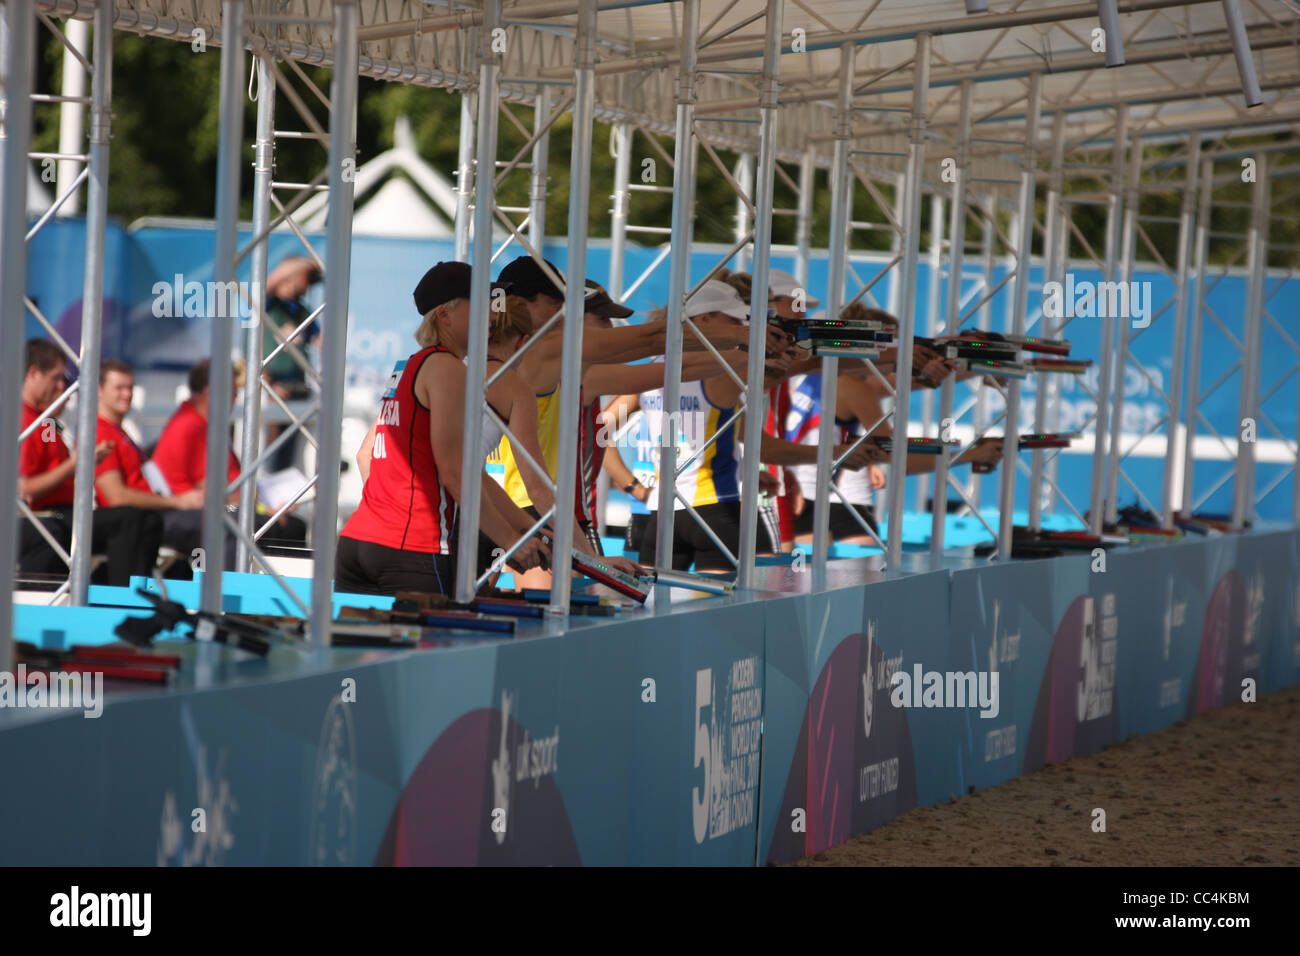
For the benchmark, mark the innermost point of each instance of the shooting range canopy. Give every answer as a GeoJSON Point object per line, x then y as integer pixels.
{"type": "Point", "coordinates": [1180, 71]}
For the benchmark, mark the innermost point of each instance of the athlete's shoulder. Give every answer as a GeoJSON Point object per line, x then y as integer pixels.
{"type": "Point", "coordinates": [444, 361]}
{"type": "Point", "coordinates": [511, 388]}
{"type": "Point", "coordinates": [436, 371]}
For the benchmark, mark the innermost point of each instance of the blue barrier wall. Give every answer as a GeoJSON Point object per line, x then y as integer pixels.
{"type": "Point", "coordinates": [1084, 659]}
{"type": "Point", "coordinates": [758, 728]}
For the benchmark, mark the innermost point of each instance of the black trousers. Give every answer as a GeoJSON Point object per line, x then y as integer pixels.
{"type": "Point", "coordinates": [127, 537]}
{"type": "Point", "coordinates": [690, 544]}
{"type": "Point", "coordinates": [183, 531]}
{"type": "Point", "coordinates": [842, 523]}
{"type": "Point", "coordinates": [635, 530]}
{"type": "Point", "coordinates": [362, 567]}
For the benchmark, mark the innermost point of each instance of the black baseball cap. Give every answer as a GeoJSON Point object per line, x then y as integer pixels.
{"type": "Point", "coordinates": [526, 278]}
{"type": "Point", "coordinates": [442, 283]}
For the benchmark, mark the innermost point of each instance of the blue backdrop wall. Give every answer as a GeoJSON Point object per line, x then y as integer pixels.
{"type": "Point", "coordinates": [382, 319]}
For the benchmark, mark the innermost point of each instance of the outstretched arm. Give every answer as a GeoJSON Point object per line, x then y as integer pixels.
{"type": "Point", "coordinates": [611, 379]}
{"type": "Point", "coordinates": [441, 384]}
{"type": "Point", "coordinates": [778, 451]}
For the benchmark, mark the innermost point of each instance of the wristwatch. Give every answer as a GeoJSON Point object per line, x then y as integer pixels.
{"type": "Point", "coordinates": [630, 487]}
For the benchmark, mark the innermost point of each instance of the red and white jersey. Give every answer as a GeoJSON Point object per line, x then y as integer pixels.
{"type": "Point", "coordinates": [778, 406]}
{"type": "Point", "coordinates": [591, 456]}
{"type": "Point", "coordinates": [801, 425]}
{"type": "Point", "coordinates": [404, 504]}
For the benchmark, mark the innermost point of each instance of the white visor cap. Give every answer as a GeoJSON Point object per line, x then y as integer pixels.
{"type": "Point", "coordinates": [715, 296]}
{"type": "Point", "coordinates": [781, 283]}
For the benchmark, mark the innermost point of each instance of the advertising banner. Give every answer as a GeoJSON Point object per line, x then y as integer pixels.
{"type": "Point", "coordinates": [725, 731]}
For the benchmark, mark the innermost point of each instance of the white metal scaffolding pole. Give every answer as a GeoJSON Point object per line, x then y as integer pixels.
{"type": "Point", "coordinates": [745, 180]}
{"type": "Point", "coordinates": [618, 215]}
{"type": "Point", "coordinates": [931, 329]}
{"type": "Point", "coordinates": [1020, 302]}
{"type": "Point", "coordinates": [16, 56]}
{"type": "Point", "coordinates": [1186, 236]}
{"type": "Point", "coordinates": [804, 217]}
{"type": "Point", "coordinates": [1243, 497]}
{"type": "Point", "coordinates": [465, 172]}
{"type": "Point", "coordinates": [1052, 226]}
{"type": "Point", "coordinates": [1062, 260]}
{"type": "Point", "coordinates": [1014, 226]}
{"type": "Point", "coordinates": [764, 174]}
{"type": "Point", "coordinates": [537, 177]}
{"type": "Point", "coordinates": [841, 212]}
{"type": "Point", "coordinates": [72, 112]}
{"type": "Point", "coordinates": [338, 249]}
{"type": "Point", "coordinates": [983, 318]}
{"type": "Point", "coordinates": [471, 475]}
{"type": "Point", "coordinates": [263, 171]}
{"type": "Point", "coordinates": [566, 469]}
{"type": "Point", "coordinates": [911, 237]}
{"type": "Point", "coordinates": [679, 266]}
{"type": "Point", "coordinates": [220, 372]}
{"type": "Point", "coordinates": [1114, 216]}
{"type": "Point", "coordinates": [1195, 324]}
{"type": "Point", "coordinates": [894, 302]}
{"type": "Point", "coordinates": [92, 305]}
{"type": "Point", "coordinates": [621, 145]}
{"type": "Point", "coordinates": [1119, 376]}
{"type": "Point", "coordinates": [952, 313]}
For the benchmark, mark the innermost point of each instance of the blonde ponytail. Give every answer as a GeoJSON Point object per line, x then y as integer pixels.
{"type": "Point", "coordinates": [742, 282]}
{"type": "Point", "coordinates": [427, 334]}
{"type": "Point", "coordinates": [857, 312]}
{"type": "Point", "coordinates": [512, 322]}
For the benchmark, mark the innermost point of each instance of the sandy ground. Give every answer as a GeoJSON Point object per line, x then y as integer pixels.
{"type": "Point", "coordinates": [1222, 789]}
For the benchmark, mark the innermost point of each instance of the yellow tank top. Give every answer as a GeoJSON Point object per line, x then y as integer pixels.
{"type": "Point", "coordinates": [548, 435]}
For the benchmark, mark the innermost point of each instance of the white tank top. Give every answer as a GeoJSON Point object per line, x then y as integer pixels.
{"type": "Point", "coordinates": [714, 475]}
{"type": "Point", "coordinates": [854, 485]}
{"type": "Point", "coordinates": [492, 433]}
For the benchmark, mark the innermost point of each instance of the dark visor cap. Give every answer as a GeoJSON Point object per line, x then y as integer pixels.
{"type": "Point", "coordinates": [442, 283]}
{"type": "Point", "coordinates": [599, 303]}
{"type": "Point", "coordinates": [526, 278]}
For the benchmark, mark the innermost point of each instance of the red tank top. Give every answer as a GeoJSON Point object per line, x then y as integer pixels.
{"type": "Point", "coordinates": [591, 456]}
{"type": "Point", "coordinates": [778, 406]}
{"type": "Point", "coordinates": [403, 503]}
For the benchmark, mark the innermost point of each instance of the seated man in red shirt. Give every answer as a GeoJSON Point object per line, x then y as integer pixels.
{"type": "Point", "coordinates": [182, 457]}
{"type": "Point", "coordinates": [119, 479]}
{"type": "Point", "coordinates": [127, 536]}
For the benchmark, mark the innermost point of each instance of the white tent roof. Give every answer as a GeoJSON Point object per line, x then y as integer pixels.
{"type": "Point", "coordinates": [387, 203]}
{"type": "Point", "coordinates": [399, 209]}
{"type": "Point", "coordinates": [1180, 70]}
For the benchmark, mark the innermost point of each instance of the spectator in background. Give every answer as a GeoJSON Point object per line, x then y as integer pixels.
{"type": "Point", "coordinates": [120, 479]}
{"type": "Point", "coordinates": [182, 450]}
{"type": "Point", "coordinates": [127, 536]}
{"type": "Point", "coordinates": [285, 310]}
{"type": "Point", "coordinates": [182, 458]}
